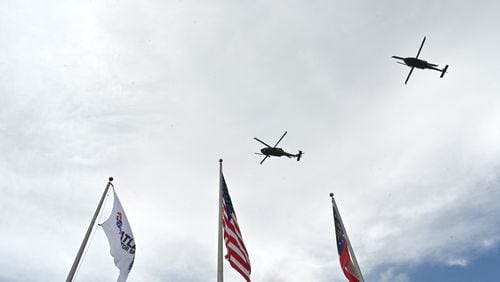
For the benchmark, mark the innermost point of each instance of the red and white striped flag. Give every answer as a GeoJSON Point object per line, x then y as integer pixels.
{"type": "Point", "coordinates": [237, 254]}
{"type": "Point", "coordinates": [348, 261]}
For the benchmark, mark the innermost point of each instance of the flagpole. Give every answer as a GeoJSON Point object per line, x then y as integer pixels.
{"type": "Point", "coordinates": [220, 269]}
{"type": "Point", "coordinates": [71, 273]}
{"type": "Point", "coordinates": [349, 241]}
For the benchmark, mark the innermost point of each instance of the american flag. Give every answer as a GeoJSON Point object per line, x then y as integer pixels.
{"type": "Point", "coordinates": [346, 262]}
{"type": "Point", "coordinates": [237, 254]}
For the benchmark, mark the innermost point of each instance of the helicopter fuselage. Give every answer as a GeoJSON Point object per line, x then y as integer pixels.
{"type": "Point", "coordinates": [275, 152]}
{"type": "Point", "coordinates": [419, 64]}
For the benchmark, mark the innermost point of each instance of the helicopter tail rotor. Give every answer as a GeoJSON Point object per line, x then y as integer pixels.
{"type": "Point", "coordinates": [299, 155]}
{"type": "Point", "coordinates": [444, 71]}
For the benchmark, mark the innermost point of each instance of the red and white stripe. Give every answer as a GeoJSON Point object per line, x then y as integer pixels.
{"type": "Point", "coordinates": [237, 254]}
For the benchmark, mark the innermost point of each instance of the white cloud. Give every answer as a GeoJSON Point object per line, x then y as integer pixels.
{"type": "Point", "coordinates": [457, 262]}
{"type": "Point", "coordinates": [392, 276]}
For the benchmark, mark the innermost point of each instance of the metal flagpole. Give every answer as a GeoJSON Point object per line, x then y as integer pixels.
{"type": "Point", "coordinates": [348, 241]}
{"type": "Point", "coordinates": [71, 273]}
{"type": "Point", "coordinates": [220, 269]}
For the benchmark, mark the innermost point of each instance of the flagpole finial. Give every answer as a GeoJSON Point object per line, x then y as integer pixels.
{"type": "Point", "coordinates": [110, 178]}
{"type": "Point", "coordinates": [220, 160]}
{"type": "Point", "coordinates": [331, 195]}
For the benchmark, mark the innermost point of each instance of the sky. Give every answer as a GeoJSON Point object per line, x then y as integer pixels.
{"type": "Point", "coordinates": [154, 93]}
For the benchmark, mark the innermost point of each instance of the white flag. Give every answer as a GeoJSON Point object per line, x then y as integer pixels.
{"type": "Point", "coordinates": [121, 239]}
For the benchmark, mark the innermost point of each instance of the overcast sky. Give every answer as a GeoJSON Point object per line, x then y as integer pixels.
{"type": "Point", "coordinates": [153, 93]}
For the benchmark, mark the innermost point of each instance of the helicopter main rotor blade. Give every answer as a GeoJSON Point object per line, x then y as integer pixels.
{"type": "Point", "coordinates": [261, 142]}
{"type": "Point", "coordinates": [264, 159]}
{"type": "Point", "coordinates": [280, 139]}
{"type": "Point", "coordinates": [422, 45]}
{"type": "Point", "coordinates": [409, 75]}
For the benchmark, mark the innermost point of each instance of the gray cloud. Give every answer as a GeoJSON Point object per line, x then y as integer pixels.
{"type": "Point", "coordinates": [154, 94]}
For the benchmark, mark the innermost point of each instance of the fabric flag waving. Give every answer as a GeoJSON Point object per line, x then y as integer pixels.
{"type": "Point", "coordinates": [121, 239]}
{"type": "Point", "coordinates": [349, 266]}
{"type": "Point", "coordinates": [237, 254]}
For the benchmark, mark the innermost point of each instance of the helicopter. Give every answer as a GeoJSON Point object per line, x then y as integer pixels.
{"type": "Point", "coordinates": [269, 151]}
{"type": "Point", "coordinates": [420, 64]}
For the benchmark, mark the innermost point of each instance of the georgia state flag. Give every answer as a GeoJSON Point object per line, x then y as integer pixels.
{"type": "Point", "coordinates": [121, 240]}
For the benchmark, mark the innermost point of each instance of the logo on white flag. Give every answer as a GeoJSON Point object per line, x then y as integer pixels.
{"type": "Point", "coordinates": [127, 240]}
{"type": "Point", "coordinates": [121, 240]}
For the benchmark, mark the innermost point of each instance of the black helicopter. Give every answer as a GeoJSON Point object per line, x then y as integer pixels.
{"type": "Point", "coordinates": [269, 151]}
{"type": "Point", "coordinates": [418, 63]}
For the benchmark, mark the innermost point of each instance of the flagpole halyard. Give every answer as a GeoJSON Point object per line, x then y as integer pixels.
{"type": "Point", "coordinates": [74, 267]}
{"type": "Point", "coordinates": [220, 266]}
